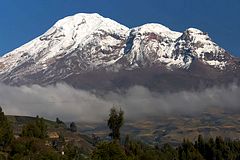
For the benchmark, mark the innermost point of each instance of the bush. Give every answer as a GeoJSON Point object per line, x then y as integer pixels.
{"type": "Point", "coordinates": [37, 129]}
{"type": "Point", "coordinates": [32, 148]}
{"type": "Point", "coordinates": [109, 151]}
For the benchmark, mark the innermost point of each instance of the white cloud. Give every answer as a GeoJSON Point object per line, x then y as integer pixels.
{"type": "Point", "coordinates": [72, 104]}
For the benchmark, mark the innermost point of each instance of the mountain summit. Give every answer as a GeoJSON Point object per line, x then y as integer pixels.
{"type": "Point", "coordinates": [90, 51]}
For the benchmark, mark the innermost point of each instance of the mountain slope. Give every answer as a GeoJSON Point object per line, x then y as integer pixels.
{"type": "Point", "coordinates": [90, 51]}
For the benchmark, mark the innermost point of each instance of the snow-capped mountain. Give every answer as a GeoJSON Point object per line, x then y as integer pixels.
{"type": "Point", "coordinates": [65, 37]}
{"type": "Point", "coordinates": [89, 44]}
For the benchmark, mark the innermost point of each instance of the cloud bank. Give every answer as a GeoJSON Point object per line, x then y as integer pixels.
{"type": "Point", "coordinates": [72, 104]}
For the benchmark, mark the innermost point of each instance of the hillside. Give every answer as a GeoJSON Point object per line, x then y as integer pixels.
{"type": "Point", "coordinates": [75, 138]}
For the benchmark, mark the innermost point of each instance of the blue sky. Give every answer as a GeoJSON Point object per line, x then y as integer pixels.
{"type": "Point", "coordinates": [21, 21]}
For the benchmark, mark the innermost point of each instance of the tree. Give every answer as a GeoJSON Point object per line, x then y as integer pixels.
{"type": "Point", "coordinates": [6, 132]}
{"type": "Point", "coordinates": [37, 129]}
{"type": "Point", "coordinates": [108, 151]}
{"type": "Point", "coordinates": [58, 121]}
{"type": "Point", "coordinates": [73, 127]}
{"type": "Point", "coordinates": [168, 152]}
{"type": "Point", "coordinates": [187, 151]}
{"type": "Point", "coordinates": [115, 122]}
{"type": "Point", "coordinates": [200, 145]}
{"type": "Point", "coordinates": [74, 152]}
{"type": "Point", "coordinates": [42, 126]}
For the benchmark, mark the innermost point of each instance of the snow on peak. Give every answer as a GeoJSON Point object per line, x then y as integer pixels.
{"type": "Point", "coordinates": [80, 26]}
{"type": "Point", "coordinates": [157, 29]}
{"type": "Point", "coordinates": [77, 18]}
{"type": "Point", "coordinates": [194, 31]}
{"type": "Point", "coordinates": [90, 22]}
{"type": "Point", "coordinates": [197, 35]}
{"type": "Point", "coordinates": [76, 30]}
{"type": "Point", "coordinates": [152, 27]}
{"type": "Point", "coordinates": [203, 47]}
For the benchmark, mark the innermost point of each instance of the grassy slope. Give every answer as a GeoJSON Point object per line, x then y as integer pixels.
{"type": "Point", "coordinates": [78, 139]}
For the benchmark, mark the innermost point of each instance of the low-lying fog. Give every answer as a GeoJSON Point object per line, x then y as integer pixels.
{"type": "Point", "coordinates": [71, 104]}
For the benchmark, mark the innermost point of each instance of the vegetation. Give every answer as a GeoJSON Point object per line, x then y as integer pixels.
{"type": "Point", "coordinates": [37, 129]}
{"type": "Point", "coordinates": [6, 133]}
{"type": "Point", "coordinates": [73, 127]}
{"type": "Point", "coordinates": [32, 148]}
{"type": "Point", "coordinates": [115, 122]}
{"type": "Point", "coordinates": [109, 151]}
{"type": "Point", "coordinates": [201, 149]}
{"type": "Point", "coordinates": [58, 121]}
{"type": "Point", "coordinates": [34, 144]}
